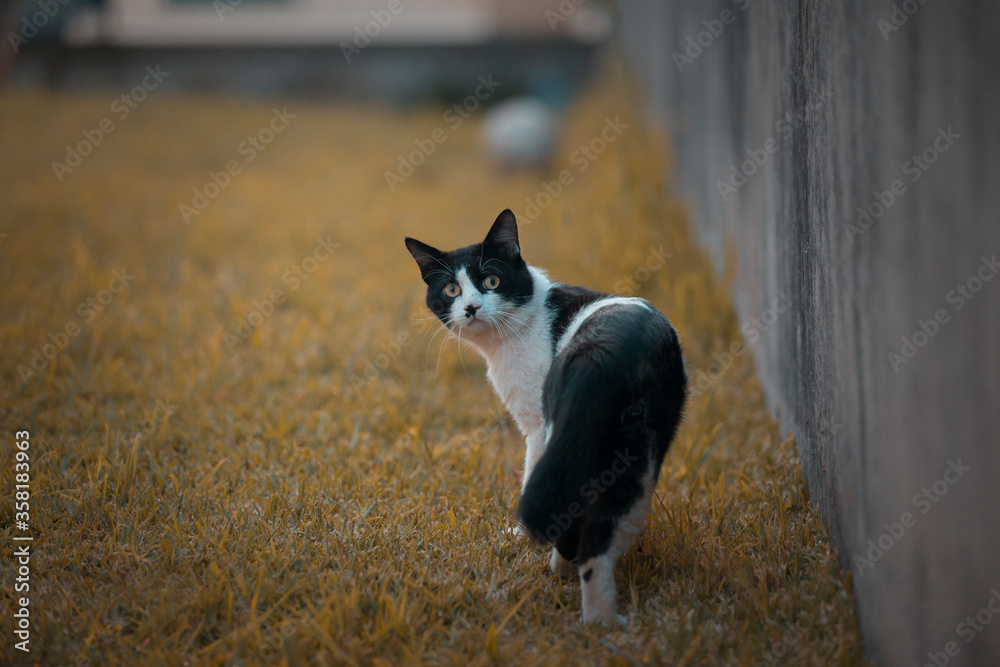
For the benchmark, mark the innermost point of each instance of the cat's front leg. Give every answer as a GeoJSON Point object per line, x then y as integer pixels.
{"type": "Point", "coordinates": [534, 446]}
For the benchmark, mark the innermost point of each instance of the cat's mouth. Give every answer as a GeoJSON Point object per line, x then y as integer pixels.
{"type": "Point", "coordinates": [472, 324]}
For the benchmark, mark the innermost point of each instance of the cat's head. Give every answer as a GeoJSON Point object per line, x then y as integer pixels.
{"type": "Point", "coordinates": [476, 291]}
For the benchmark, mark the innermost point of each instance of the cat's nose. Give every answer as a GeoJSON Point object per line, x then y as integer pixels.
{"type": "Point", "coordinates": [470, 310]}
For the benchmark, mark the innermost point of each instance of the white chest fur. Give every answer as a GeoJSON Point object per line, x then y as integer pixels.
{"type": "Point", "coordinates": [518, 366]}
{"type": "Point", "coordinates": [517, 371]}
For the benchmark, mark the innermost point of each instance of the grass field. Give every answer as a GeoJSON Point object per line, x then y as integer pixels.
{"type": "Point", "coordinates": [251, 445]}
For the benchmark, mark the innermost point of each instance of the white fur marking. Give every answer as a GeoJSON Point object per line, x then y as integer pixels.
{"type": "Point", "coordinates": [518, 365]}
{"type": "Point", "coordinates": [470, 296]}
{"type": "Point", "coordinates": [560, 565]}
{"type": "Point", "coordinates": [600, 596]}
{"type": "Point", "coordinates": [592, 308]}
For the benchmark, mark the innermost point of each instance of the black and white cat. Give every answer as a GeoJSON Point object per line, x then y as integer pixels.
{"type": "Point", "coordinates": [595, 382]}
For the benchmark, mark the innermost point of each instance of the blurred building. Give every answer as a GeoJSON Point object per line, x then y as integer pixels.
{"type": "Point", "coordinates": [402, 50]}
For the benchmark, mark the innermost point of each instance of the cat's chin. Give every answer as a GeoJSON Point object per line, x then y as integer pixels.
{"type": "Point", "coordinates": [476, 326]}
{"type": "Point", "coordinates": [474, 331]}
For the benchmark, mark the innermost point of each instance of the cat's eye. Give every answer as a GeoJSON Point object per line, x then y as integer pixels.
{"type": "Point", "coordinates": [491, 282]}
{"type": "Point", "coordinates": [452, 290]}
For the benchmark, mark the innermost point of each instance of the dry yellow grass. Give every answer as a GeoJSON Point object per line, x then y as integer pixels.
{"type": "Point", "coordinates": [283, 514]}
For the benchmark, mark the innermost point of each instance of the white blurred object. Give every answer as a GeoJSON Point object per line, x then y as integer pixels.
{"type": "Point", "coordinates": [520, 132]}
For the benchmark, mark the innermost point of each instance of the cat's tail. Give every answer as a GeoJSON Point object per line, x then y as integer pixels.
{"type": "Point", "coordinates": [586, 395]}
{"type": "Point", "coordinates": [612, 401]}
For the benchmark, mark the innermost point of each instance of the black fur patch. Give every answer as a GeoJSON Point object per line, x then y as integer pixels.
{"type": "Point", "coordinates": [588, 574]}
{"type": "Point", "coordinates": [613, 400]}
{"type": "Point", "coordinates": [564, 302]}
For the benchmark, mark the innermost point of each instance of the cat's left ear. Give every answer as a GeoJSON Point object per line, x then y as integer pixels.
{"type": "Point", "coordinates": [427, 257]}
{"type": "Point", "coordinates": [503, 234]}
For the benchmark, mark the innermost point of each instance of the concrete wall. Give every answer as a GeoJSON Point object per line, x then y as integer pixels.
{"type": "Point", "coordinates": [844, 103]}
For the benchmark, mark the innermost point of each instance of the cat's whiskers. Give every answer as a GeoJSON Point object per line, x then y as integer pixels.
{"type": "Point", "coordinates": [460, 358]}
{"type": "Point", "coordinates": [516, 315]}
{"type": "Point", "coordinates": [498, 326]}
{"type": "Point", "coordinates": [437, 367]}
{"type": "Point", "coordinates": [447, 267]}
{"type": "Point", "coordinates": [505, 319]}
{"type": "Point", "coordinates": [493, 332]}
{"type": "Point", "coordinates": [516, 319]}
{"type": "Point", "coordinates": [438, 271]}
{"type": "Point", "coordinates": [502, 327]}
{"type": "Point", "coordinates": [485, 267]}
{"type": "Point", "coordinates": [441, 327]}
{"type": "Point", "coordinates": [503, 330]}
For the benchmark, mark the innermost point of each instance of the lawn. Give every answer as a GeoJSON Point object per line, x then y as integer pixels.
{"type": "Point", "coordinates": [250, 443]}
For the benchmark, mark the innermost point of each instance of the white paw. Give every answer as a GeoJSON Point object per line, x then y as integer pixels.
{"type": "Point", "coordinates": [514, 533]}
{"type": "Point", "coordinates": [561, 566]}
{"type": "Point", "coordinates": [608, 620]}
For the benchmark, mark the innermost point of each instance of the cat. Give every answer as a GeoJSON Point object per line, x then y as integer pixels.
{"type": "Point", "coordinates": [596, 383]}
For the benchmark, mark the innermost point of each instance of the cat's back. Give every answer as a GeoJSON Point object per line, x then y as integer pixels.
{"type": "Point", "coordinates": [622, 321]}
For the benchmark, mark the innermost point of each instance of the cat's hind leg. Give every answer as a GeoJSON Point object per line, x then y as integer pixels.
{"type": "Point", "coordinates": [596, 565]}
{"type": "Point", "coordinates": [602, 542]}
{"type": "Point", "coordinates": [600, 594]}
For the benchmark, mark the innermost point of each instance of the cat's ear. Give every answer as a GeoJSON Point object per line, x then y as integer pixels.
{"type": "Point", "coordinates": [503, 234]}
{"type": "Point", "coordinates": [427, 257]}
